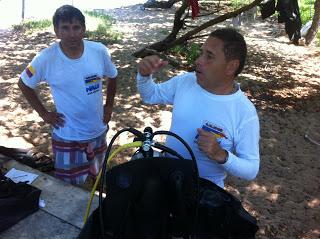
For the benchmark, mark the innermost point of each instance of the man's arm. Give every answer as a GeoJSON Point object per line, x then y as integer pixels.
{"type": "Point", "coordinates": [246, 160]}
{"type": "Point", "coordinates": [53, 118]}
{"type": "Point", "coordinates": [108, 107]}
{"type": "Point", "coordinates": [245, 164]}
{"type": "Point", "coordinates": [150, 65]}
{"type": "Point", "coordinates": [150, 92]}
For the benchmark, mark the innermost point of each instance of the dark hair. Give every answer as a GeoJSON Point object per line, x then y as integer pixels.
{"type": "Point", "coordinates": [67, 13]}
{"type": "Point", "coordinates": [235, 46]}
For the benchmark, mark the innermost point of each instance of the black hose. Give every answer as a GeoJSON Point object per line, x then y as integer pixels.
{"type": "Point", "coordinates": [138, 134]}
{"type": "Point", "coordinates": [168, 150]}
{"type": "Point", "coordinates": [196, 173]}
{"type": "Point", "coordinates": [141, 137]}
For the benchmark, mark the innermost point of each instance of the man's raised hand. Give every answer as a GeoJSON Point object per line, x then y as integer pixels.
{"type": "Point", "coordinates": [150, 65]}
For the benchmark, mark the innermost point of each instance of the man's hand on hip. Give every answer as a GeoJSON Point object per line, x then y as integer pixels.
{"type": "Point", "coordinates": [53, 118]}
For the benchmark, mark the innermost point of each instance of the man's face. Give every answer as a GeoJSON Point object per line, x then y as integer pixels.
{"type": "Point", "coordinates": [212, 69]}
{"type": "Point", "coordinates": [70, 33]}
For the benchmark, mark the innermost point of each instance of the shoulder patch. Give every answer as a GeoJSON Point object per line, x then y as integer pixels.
{"type": "Point", "coordinates": [30, 71]}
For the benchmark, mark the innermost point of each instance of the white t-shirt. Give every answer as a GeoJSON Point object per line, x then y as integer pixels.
{"type": "Point", "coordinates": [76, 87]}
{"type": "Point", "coordinates": [231, 118]}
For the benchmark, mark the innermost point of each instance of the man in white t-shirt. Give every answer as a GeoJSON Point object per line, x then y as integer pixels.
{"type": "Point", "coordinates": [75, 70]}
{"type": "Point", "coordinates": [210, 112]}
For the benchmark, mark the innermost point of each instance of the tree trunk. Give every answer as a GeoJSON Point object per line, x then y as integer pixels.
{"type": "Point", "coordinates": [312, 32]}
{"type": "Point", "coordinates": [171, 40]}
{"type": "Point", "coordinates": [23, 8]}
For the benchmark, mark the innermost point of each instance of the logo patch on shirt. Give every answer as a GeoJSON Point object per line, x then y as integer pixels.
{"type": "Point", "coordinates": [92, 84]}
{"type": "Point", "coordinates": [30, 71]}
{"type": "Point", "coordinates": [217, 131]}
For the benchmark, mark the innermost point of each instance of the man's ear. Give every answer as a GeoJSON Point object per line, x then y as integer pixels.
{"type": "Point", "coordinates": [232, 67]}
{"type": "Point", "coordinates": [56, 32]}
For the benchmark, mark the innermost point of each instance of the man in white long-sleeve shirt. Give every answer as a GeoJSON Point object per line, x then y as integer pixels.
{"type": "Point", "coordinates": [210, 112]}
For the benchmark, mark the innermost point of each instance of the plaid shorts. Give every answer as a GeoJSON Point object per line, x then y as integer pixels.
{"type": "Point", "coordinates": [75, 160]}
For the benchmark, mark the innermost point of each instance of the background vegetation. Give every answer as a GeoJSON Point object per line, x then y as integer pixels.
{"type": "Point", "coordinates": [99, 27]}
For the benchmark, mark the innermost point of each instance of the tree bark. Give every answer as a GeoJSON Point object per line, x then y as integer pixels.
{"type": "Point", "coordinates": [312, 32]}
{"type": "Point", "coordinates": [171, 40]}
{"type": "Point", "coordinates": [23, 8]}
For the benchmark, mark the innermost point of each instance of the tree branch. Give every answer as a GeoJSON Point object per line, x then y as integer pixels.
{"type": "Point", "coordinates": [212, 22]}
{"type": "Point", "coordinates": [171, 40]}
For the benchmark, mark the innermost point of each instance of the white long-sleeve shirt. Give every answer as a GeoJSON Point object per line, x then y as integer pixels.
{"type": "Point", "coordinates": [231, 118]}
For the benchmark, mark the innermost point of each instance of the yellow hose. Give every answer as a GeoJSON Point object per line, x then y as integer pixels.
{"type": "Point", "coordinates": [121, 148]}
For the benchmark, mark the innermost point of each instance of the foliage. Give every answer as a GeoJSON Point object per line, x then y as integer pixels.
{"type": "Point", "coordinates": [104, 35]}
{"type": "Point", "coordinates": [107, 20]}
{"type": "Point", "coordinates": [189, 51]}
{"type": "Point", "coordinates": [305, 6]}
{"type": "Point", "coordinates": [33, 25]}
{"type": "Point", "coordinates": [101, 27]}
{"type": "Point", "coordinates": [102, 31]}
{"type": "Point", "coordinates": [235, 4]}
{"type": "Point", "coordinates": [306, 10]}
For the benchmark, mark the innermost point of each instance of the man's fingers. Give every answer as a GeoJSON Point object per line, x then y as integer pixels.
{"type": "Point", "coordinates": [154, 60]}
{"type": "Point", "coordinates": [163, 64]}
{"type": "Point", "coordinates": [158, 63]}
{"type": "Point", "coordinates": [203, 142]}
{"type": "Point", "coordinates": [146, 68]}
{"type": "Point", "coordinates": [204, 133]}
{"type": "Point", "coordinates": [151, 64]}
{"type": "Point", "coordinates": [55, 119]}
{"type": "Point", "coordinates": [55, 125]}
{"type": "Point", "coordinates": [59, 123]}
{"type": "Point", "coordinates": [59, 119]}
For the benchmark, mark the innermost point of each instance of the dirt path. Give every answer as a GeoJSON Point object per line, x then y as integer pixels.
{"type": "Point", "coordinates": [282, 80]}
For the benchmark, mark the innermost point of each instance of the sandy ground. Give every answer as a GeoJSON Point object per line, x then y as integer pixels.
{"type": "Point", "coordinates": [281, 79]}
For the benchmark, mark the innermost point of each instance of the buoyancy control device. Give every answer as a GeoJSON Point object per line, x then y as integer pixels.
{"type": "Point", "coordinates": [160, 196]}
